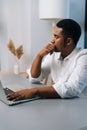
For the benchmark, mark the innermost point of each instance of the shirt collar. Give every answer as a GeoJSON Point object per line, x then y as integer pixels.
{"type": "Point", "coordinates": [70, 55]}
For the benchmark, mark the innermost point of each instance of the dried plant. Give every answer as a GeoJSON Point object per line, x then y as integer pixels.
{"type": "Point", "coordinates": [18, 52]}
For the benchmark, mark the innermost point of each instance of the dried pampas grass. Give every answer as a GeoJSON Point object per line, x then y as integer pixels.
{"type": "Point", "coordinates": [18, 52]}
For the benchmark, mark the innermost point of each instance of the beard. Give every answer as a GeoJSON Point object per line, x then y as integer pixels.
{"type": "Point", "coordinates": [55, 49]}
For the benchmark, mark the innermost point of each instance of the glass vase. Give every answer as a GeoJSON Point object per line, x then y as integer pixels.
{"type": "Point", "coordinates": [16, 69]}
{"type": "Point", "coordinates": [16, 66]}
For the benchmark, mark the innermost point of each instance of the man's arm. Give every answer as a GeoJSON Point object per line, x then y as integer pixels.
{"type": "Point", "coordinates": [43, 92]}
{"type": "Point", "coordinates": [47, 92]}
{"type": "Point", "coordinates": [36, 66]}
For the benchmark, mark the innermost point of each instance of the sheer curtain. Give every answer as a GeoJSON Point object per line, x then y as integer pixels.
{"type": "Point", "coordinates": [14, 24]}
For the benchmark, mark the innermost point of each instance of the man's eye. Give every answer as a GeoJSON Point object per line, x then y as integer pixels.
{"type": "Point", "coordinates": [55, 36]}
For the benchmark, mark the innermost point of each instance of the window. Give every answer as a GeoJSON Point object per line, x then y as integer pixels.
{"type": "Point", "coordinates": [85, 45]}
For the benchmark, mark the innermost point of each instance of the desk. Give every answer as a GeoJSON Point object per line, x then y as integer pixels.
{"type": "Point", "coordinates": [45, 114]}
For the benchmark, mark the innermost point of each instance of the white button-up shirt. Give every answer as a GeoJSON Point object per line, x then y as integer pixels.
{"type": "Point", "coordinates": [69, 74]}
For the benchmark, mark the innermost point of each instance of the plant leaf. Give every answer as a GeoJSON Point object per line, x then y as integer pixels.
{"type": "Point", "coordinates": [11, 47]}
{"type": "Point", "coordinates": [19, 51]}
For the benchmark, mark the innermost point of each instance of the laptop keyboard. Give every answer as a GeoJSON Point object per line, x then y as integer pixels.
{"type": "Point", "coordinates": [8, 91]}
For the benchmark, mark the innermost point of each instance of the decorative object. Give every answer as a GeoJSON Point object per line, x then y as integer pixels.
{"type": "Point", "coordinates": [17, 52]}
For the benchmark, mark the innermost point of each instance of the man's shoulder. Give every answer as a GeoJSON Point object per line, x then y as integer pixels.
{"type": "Point", "coordinates": [82, 52]}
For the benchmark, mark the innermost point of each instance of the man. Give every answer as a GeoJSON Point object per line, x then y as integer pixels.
{"type": "Point", "coordinates": [66, 64]}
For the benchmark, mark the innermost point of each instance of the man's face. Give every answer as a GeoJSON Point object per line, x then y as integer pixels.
{"type": "Point", "coordinates": [58, 40]}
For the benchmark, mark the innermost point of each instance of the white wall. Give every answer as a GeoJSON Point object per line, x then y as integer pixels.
{"type": "Point", "coordinates": [19, 21]}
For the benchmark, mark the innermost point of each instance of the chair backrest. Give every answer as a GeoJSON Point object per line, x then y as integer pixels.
{"type": "Point", "coordinates": [48, 80]}
{"type": "Point", "coordinates": [45, 81]}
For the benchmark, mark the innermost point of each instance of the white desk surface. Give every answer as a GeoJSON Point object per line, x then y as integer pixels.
{"type": "Point", "coordinates": [45, 114]}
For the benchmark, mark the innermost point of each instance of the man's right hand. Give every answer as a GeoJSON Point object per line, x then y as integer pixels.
{"type": "Point", "coordinates": [47, 49]}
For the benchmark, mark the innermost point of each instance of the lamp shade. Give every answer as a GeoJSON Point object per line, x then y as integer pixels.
{"type": "Point", "coordinates": [53, 9]}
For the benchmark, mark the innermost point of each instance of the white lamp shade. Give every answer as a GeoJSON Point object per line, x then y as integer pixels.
{"type": "Point", "coordinates": [53, 9]}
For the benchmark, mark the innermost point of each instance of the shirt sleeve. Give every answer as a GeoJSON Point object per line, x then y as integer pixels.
{"type": "Point", "coordinates": [76, 82]}
{"type": "Point", "coordinates": [45, 70]}
{"type": "Point", "coordinates": [34, 80]}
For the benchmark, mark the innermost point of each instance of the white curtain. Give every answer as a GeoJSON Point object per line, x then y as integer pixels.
{"type": "Point", "coordinates": [15, 25]}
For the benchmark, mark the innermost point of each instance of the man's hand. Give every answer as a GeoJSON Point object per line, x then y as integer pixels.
{"type": "Point", "coordinates": [43, 92]}
{"type": "Point", "coordinates": [47, 49]}
{"type": "Point", "coordinates": [22, 94]}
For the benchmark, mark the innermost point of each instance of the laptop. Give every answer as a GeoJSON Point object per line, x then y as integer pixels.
{"type": "Point", "coordinates": [10, 83]}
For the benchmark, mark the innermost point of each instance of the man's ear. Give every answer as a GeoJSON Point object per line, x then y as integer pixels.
{"type": "Point", "coordinates": [69, 41]}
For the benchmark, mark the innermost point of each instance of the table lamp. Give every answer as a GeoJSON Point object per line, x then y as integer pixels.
{"type": "Point", "coordinates": [53, 10]}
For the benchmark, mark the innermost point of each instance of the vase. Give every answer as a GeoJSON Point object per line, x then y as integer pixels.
{"type": "Point", "coordinates": [16, 69]}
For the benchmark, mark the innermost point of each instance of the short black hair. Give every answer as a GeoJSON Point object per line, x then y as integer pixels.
{"type": "Point", "coordinates": [70, 29]}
